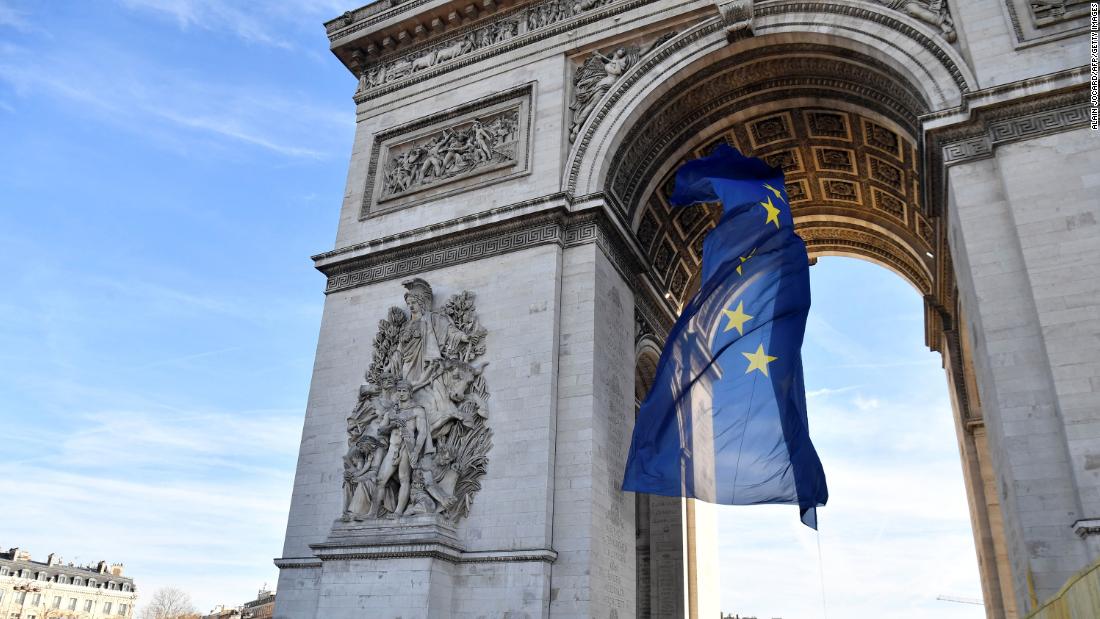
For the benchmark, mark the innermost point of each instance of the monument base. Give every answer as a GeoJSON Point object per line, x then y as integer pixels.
{"type": "Point", "coordinates": [419, 535]}
{"type": "Point", "coordinates": [417, 567]}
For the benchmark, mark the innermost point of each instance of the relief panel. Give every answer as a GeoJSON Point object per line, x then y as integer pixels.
{"type": "Point", "coordinates": [476, 144]}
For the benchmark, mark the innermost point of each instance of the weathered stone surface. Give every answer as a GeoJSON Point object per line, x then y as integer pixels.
{"type": "Point", "coordinates": [522, 151]}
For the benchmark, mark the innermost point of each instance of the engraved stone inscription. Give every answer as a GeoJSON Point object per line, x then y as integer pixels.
{"type": "Point", "coordinates": [418, 440]}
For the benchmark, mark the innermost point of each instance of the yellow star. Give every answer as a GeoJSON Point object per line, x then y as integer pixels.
{"type": "Point", "coordinates": [773, 212]}
{"type": "Point", "coordinates": [745, 259]}
{"type": "Point", "coordinates": [778, 194]}
{"type": "Point", "coordinates": [759, 360]}
{"type": "Point", "coordinates": [737, 318]}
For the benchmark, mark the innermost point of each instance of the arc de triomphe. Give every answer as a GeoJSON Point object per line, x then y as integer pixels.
{"type": "Point", "coordinates": [507, 264]}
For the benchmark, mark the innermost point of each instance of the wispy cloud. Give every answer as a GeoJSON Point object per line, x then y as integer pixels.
{"type": "Point", "coordinates": [160, 489]}
{"type": "Point", "coordinates": [12, 18]}
{"type": "Point", "coordinates": [159, 102]}
{"type": "Point", "coordinates": [266, 26]}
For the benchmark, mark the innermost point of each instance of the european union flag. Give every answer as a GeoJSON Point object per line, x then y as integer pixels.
{"type": "Point", "coordinates": [725, 420]}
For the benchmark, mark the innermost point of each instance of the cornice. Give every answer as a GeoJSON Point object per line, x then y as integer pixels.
{"type": "Point", "coordinates": [456, 248]}
{"type": "Point", "coordinates": [996, 124]}
{"type": "Point", "coordinates": [394, 257]}
{"type": "Point", "coordinates": [297, 563]}
{"type": "Point", "coordinates": [432, 232]}
{"type": "Point", "coordinates": [523, 38]}
{"type": "Point", "coordinates": [432, 550]}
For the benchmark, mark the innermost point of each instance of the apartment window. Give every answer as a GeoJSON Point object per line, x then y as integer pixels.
{"type": "Point", "coordinates": [36, 600]}
{"type": "Point", "coordinates": [41, 575]}
{"type": "Point", "coordinates": [106, 608]}
{"type": "Point", "coordinates": [72, 603]}
{"type": "Point", "coordinates": [122, 608]}
{"type": "Point", "coordinates": [57, 601]}
{"type": "Point", "coordinates": [91, 582]}
{"type": "Point", "coordinates": [3, 571]}
{"type": "Point", "coordinates": [20, 597]}
{"type": "Point", "coordinates": [88, 605]}
{"type": "Point", "coordinates": [125, 587]}
{"type": "Point", "coordinates": [76, 580]}
{"type": "Point", "coordinates": [1, 595]}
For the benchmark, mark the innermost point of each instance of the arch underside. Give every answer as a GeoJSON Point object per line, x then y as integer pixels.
{"type": "Point", "coordinates": [842, 124]}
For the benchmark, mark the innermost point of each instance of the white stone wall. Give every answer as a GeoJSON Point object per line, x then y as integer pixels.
{"type": "Point", "coordinates": [517, 302]}
{"type": "Point", "coordinates": [987, 39]}
{"type": "Point", "coordinates": [593, 519]}
{"type": "Point", "coordinates": [1023, 234]}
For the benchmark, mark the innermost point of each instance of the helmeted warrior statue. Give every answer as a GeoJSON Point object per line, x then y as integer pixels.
{"type": "Point", "coordinates": [417, 438]}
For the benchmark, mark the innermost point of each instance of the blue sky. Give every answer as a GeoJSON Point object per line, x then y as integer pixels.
{"type": "Point", "coordinates": [166, 170]}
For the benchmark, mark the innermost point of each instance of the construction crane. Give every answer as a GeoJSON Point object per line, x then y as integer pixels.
{"type": "Point", "coordinates": [960, 600]}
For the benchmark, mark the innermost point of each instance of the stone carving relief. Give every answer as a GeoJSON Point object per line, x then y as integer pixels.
{"type": "Point", "coordinates": [593, 79]}
{"type": "Point", "coordinates": [456, 151]}
{"type": "Point", "coordinates": [599, 73]}
{"type": "Point", "coordinates": [532, 18]}
{"type": "Point", "coordinates": [737, 17]}
{"type": "Point", "coordinates": [933, 12]}
{"type": "Point", "coordinates": [418, 440]}
{"type": "Point", "coordinates": [1046, 11]}
{"type": "Point", "coordinates": [478, 143]}
{"type": "Point", "coordinates": [547, 13]}
{"type": "Point", "coordinates": [490, 34]}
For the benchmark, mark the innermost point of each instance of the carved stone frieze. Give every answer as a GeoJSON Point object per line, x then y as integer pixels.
{"type": "Point", "coordinates": [376, 67]}
{"type": "Point", "coordinates": [932, 12]}
{"type": "Point", "coordinates": [418, 438]}
{"type": "Point", "coordinates": [449, 49]}
{"type": "Point", "coordinates": [1049, 11]}
{"type": "Point", "coordinates": [1036, 21]}
{"type": "Point", "coordinates": [737, 17]}
{"type": "Point", "coordinates": [477, 143]}
{"type": "Point", "coordinates": [452, 153]}
{"type": "Point", "coordinates": [593, 79]}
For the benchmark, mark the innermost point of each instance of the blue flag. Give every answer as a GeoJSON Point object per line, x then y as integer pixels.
{"type": "Point", "coordinates": [725, 419]}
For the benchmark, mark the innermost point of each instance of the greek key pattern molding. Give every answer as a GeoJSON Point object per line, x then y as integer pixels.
{"type": "Point", "coordinates": [447, 254]}
{"type": "Point", "coordinates": [1015, 129]}
{"type": "Point", "coordinates": [554, 228]}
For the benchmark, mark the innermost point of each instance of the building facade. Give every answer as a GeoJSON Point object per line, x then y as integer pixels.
{"type": "Point", "coordinates": [263, 607]}
{"type": "Point", "coordinates": [54, 590]}
{"type": "Point", "coordinates": [507, 265]}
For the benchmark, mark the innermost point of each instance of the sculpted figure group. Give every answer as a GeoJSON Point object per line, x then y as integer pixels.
{"type": "Point", "coordinates": [417, 438]}
{"type": "Point", "coordinates": [451, 152]}
{"type": "Point", "coordinates": [538, 16]}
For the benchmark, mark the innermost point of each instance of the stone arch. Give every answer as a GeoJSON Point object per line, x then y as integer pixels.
{"type": "Point", "coordinates": [875, 71]}
{"type": "Point", "coordinates": [919, 56]}
{"type": "Point", "coordinates": [647, 352]}
{"type": "Point", "coordinates": [838, 96]}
